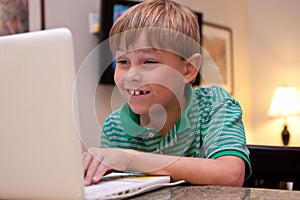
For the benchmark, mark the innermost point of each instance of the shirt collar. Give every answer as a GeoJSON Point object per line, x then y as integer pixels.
{"type": "Point", "coordinates": [183, 122]}
{"type": "Point", "coordinates": [130, 120]}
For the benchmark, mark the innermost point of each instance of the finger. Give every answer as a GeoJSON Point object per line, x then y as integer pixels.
{"type": "Point", "coordinates": [91, 171]}
{"type": "Point", "coordinates": [101, 170]}
{"type": "Point", "coordinates": [86, 160]}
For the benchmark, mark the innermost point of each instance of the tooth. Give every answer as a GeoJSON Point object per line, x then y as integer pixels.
{"type": "Point", "coordinates": [137, 92]}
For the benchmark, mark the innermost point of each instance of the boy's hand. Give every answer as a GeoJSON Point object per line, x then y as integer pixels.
{"type": "Point", "coordinates": [98, 161]}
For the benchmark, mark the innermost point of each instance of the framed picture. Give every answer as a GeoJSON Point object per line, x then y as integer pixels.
{"type": "Point", "coordinates": [20, 16]}
{"type": "Point", "coordinates": [217, 41]}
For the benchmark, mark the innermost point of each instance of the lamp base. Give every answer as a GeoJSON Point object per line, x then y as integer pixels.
{"type": "Point", "coordinates": [285, 135]}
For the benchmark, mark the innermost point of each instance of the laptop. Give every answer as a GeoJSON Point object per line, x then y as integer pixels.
{"type": "Point", "coordinates": [40, 150]}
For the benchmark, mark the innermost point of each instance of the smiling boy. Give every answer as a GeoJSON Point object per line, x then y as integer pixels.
{"type": "Point", "coordinates": [166, 127]}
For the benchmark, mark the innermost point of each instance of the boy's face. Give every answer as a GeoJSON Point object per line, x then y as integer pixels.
{"type": "Point", "coordinates": [149, 76]}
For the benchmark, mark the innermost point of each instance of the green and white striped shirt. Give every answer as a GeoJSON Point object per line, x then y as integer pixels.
{"type": "Point", "coordinates": [210, 127]}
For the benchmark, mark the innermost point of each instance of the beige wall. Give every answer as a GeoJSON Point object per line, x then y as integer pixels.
{"type": "Point", "coordinates": [74, 15]}
{"type": "Point", "coordinates": [275, 61]}
{"type": "Point", "coordinates": [266, 54]}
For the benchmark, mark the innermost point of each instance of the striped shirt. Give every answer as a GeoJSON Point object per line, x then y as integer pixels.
{"type": "Point", "coordinates": [210, 127]}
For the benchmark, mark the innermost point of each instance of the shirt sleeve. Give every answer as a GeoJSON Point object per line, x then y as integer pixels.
{"type": "Point", "coordinates": [225, 134]}
{"type": "Point", "coordinates": [108, 129]}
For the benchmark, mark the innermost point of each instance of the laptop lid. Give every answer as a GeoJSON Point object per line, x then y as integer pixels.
{"type": "Point", "coordinates": [39, 147]}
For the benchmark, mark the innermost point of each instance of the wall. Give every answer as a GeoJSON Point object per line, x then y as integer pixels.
{"type": "Point", "coordinates": [275, 61]}
{"type": "Point", "coordinates": [74, 15]}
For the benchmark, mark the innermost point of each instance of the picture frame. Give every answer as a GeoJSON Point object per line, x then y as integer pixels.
{"type": "Point", "coordinates": [20, 16]}
{"type": "Point", "coordinates": [217, 40]}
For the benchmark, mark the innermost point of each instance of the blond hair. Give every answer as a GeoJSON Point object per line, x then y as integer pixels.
{"type": "Point", "coordinates": [158, 15]}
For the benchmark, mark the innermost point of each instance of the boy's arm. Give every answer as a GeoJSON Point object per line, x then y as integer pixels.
{"type": "Point", "coordinates": [226, 170]}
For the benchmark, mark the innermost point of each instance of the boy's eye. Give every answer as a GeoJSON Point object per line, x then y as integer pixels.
{"type": "Point", "coordinates": [122, 62]}
{"type": "Point", "coordinates": [151, 62]}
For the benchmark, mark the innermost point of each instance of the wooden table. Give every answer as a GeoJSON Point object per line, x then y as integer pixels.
{"type": "Point", "coordinates": [217, 192]}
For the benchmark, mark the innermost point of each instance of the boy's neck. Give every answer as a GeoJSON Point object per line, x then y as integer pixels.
{"type": "Point", "coordinates": [161, 118]}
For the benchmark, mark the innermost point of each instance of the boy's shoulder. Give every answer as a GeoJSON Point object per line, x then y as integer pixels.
{"type": "Point", "coordinates": [114, 117]}
{"type": "Point", "coordinates": [213, 94]}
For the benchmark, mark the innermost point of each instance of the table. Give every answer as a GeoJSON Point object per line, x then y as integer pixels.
{"type": "Point", "coordinates": [217, 192]}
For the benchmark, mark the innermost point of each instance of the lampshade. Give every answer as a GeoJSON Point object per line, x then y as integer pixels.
{"type": "Point", "coordinates": [285, 102]}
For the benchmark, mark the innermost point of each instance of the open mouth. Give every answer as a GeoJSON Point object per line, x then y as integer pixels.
{"type": "Point", "coordinates": [138, 92]}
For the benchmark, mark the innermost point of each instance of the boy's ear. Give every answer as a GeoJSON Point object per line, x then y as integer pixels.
{"type": "Point", "coordinates": [192, 67]}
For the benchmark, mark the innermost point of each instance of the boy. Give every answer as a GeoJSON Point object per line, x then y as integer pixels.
{"type": "Point", "coordinates": [166, 127]}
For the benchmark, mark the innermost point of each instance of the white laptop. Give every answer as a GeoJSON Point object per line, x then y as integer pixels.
{"type": "Point", "coordinates": [40, 151]}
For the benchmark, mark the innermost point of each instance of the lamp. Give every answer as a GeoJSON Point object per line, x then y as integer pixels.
{"type": "Point", "coordinates": [285, 102]}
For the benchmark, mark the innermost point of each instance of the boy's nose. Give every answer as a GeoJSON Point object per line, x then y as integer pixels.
{"type": "Point", "coordinates": [134, 75]}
